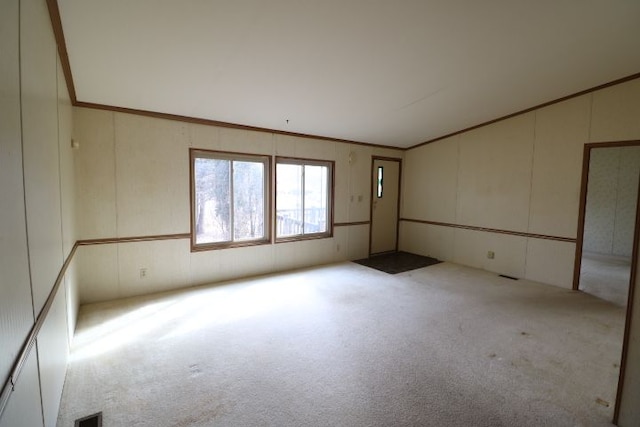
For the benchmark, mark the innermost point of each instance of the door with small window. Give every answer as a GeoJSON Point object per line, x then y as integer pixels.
{"type": "Point", "coordinates": [384, 205]}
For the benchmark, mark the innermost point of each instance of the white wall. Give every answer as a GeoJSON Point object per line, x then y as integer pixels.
{"type": "Point", "coordinates": [133, 180]}
{"type": "Point", "coordinates": [522, 175]}
{"type": "Point", "coordinates": [36, 232]}
{"type": "Point", "coordinates": [611, 200]}
{"type": "Point", "coordinates": [16, 309]}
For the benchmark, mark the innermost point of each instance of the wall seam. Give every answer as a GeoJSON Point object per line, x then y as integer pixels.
{"type": "Point", "coordinates": [24, 190]}
{"type": "Point", "coordinates": [24, 196]}
{"type": "Point", "coordinates": [454, 242]}
{"type": "Point", "coordinates": [190, 145]}
{"type": "Point", "coordinates": [615, 212]}
{"type": "Point", "coordinates": [64, 255]}
{"type": "Point", "coordinates": [590, 137]}
{"type": "Point", "coordinates": [39, 381]}
{"type": "Point", "coordinates": [115, 184]}
{"type": "Point", "coordinates": [533, 157]}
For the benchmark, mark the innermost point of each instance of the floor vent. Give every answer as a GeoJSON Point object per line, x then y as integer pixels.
{"type": "Point", "coordinates": [94, 420]}
{"type": "Point", "coordinates": [508, 277]}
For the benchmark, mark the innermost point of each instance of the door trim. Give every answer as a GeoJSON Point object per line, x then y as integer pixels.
{"type": "Point", "coordinates": [586, 156]}
{"type": "Point", "coordinates": [373, 161]}
{"type": "Point", "coordinates": [627, 322]}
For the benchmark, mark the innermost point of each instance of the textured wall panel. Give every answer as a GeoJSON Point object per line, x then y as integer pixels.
{"type": "Point", "coordinates": [67, 173]}
{"type": "Point", "coordinates": [95, 169]}
{"type": "Point", "coordinates": [616, 112]}
{"type": "Point", "coordinates": [16, 313]}
{"type": "Point", "coordinates": [470, 247]}
{"type": "Point", "coordinates": [550, 262]}
{"type": "Point", "coordinates": [600, 211]}
{"type": "Point", "coordinates": [33, 221]}
{"type": "Point", "coordinates": [560, 133]}
{"type": "Point", "coordinates": [40, 146]}
{"type": "Point", "coordinates": [611, 200]}
{"type": "Point", "coordinates": [494, 174]}
{"type": "Point", "coordinates": [53, 349]}
{"type": "Point", "coordinates": [428, 240]}
{"type": "Point", "coordinates": [431, 173]}
{"type": "Point", "coordinates": [627, 195]}
{"type": "Point", "coordinates": [23, 409]}
{"type": "Point", "coordinates": [152, 181]}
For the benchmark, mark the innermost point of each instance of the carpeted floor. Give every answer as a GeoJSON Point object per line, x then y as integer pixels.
{"type": "Point", "coordinates": [606, 277]}
{"type": "Point", "coordinates": [397, 262]}
{"type": "Point", "coordinates": [346, 345]}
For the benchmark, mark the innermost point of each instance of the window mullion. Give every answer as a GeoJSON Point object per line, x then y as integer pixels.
{"type": "Point", "coordinates": [231, 201]}
{"type": "Point", "coordinates": [303, 197]}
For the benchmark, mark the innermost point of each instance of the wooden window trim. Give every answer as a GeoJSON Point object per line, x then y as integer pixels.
{"type": "Point", "coordinates": [330, 198]}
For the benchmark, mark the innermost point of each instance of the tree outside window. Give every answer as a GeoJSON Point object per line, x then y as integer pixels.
{"type": "Point", "coordinates": [229, 197]}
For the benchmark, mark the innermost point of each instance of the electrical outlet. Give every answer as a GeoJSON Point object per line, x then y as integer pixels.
{"type": "Point", "coordinates": [491, 255]}
{"type": "Point", "coordinates": [144, 272]}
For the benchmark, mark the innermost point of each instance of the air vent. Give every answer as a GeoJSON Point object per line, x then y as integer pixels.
{"type": "Point", "coordinates": [94, 420]}
{"type": "Point", "coordinates": [508, 277]}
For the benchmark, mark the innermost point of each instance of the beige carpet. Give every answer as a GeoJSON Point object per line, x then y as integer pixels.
{"type": "Point", "coordinates": [346, 345]}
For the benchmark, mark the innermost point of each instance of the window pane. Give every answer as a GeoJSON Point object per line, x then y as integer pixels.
{"type": "Point", "coordinates": [248, 200]}
{"type": "Point", "coordinates": [212, 200]}
{"type": "Point", "coordinates": [380, 181]}
{"type": "Point", "coordinates": [289, 215]}
{"type": "Point", "coordinates": [315, 199]}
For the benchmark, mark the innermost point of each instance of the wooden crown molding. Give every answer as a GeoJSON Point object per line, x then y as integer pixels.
{"type": "Point", "coordinates": [56, 22]}
{"type": "Point", "coordinates": [527, 110]}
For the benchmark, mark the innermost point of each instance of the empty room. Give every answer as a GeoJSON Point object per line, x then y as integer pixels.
{"type": "Point", "coordinates": [319, 213]}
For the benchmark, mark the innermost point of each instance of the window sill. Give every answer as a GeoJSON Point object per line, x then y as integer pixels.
{"type": "Point", "coordinates": [202, 247]}
{"type": "Point", "coordinates": [302, 237]}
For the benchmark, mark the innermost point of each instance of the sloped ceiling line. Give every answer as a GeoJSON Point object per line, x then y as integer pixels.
{"type": "Point", "coordinates": [56, 22]}
{"type": "Point", "coordinates": [535, 107]}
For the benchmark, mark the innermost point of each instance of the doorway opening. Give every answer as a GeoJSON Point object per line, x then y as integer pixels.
{"type": "Point", "coordinates": [608, 231]}
{"type": "Point", "coordinates": [611, 173]}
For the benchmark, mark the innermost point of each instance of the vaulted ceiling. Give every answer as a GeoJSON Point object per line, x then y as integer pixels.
{"type": "Point", "coordinates": [390, 72]}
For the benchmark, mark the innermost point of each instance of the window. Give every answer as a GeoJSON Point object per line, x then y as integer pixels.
{"type": "Point", "coordinates": [303, 198]}
{"type": "Point", "coordinates": [229, 199]}
{"type": "Point", "coordinates": [380, 182]}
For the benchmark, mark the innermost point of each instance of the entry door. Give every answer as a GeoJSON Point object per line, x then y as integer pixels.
{"type": "Point", "coordinates": [384, 205]}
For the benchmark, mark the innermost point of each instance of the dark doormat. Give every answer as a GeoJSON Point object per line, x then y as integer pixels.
{"type": "Point", "coordinates": [94, 420]}
{"type": "Point", "coordinates": [397, 262]}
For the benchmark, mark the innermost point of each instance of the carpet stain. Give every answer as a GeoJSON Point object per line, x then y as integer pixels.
{"type": "Point", "coordinates": [492, 355]}
{"type": "Point", "coordinates": [525, 334]}
{"type": "Point", "coordinates": [195, 371]}
{"type": "Point", "coordinates": [204, 417]}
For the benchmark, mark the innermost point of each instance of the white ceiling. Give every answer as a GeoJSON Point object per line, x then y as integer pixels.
{"type": "Point", "coordinates": [391, 72]}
